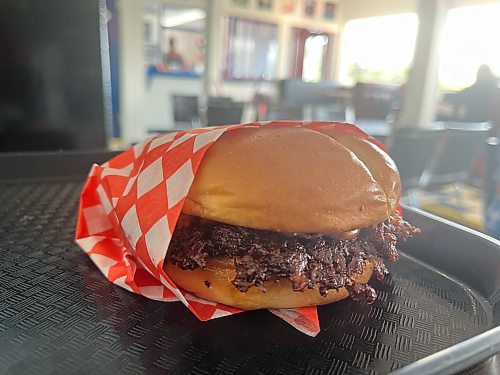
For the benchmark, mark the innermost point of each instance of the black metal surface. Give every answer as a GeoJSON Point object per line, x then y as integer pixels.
{"type": "Point", "coordinates": [58, 314]}
{"type": "Point", "coordinates": [47, 165]}
{"type": "Point", "coordinates": [467, 354]}
{"type": "Point", "coordinates": [469, 256]}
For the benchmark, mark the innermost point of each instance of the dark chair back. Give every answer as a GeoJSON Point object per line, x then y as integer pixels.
{"type": "Point", "coordinates": [373, 101]}
{"type": "Point", "coordinates": [454, 154]}
{"type": "Point", "coordinates": [186, 109]}
{"type": "Point", "coordinates": [224, 114]}
{"type": "Point", "coordinates": [219, 100]}
{"type": "Point", "coordinates": [411, 149]}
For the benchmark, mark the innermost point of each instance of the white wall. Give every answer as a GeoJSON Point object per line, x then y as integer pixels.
{"type": "Point", "coordinates": [462, 3]}
{"type": "Point", "coordinates": [132, 75]}
{"type": "Point", "coordinates": [157, 111]}
{"type": "Point", "coordinates": [352, 9]}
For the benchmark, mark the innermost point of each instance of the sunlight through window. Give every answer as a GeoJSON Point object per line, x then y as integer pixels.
{"type": "Point", "coordinates": [470, 39]}
{"type": "Point", "coordinates": [378, 49]}
{"type": "Point", "coordinates": [314, 53]}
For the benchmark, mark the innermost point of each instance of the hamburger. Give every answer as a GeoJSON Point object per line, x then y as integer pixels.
{"type": "Point", "coordinates": [285, 217]}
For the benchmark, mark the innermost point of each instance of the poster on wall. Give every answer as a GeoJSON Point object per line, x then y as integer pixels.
{"type": "Point", "coordinates": [288, 6]}
{"type": "Point", "coordinates": [310, 8]}
{"type": "Point", "coordinates": [265, 4]}
{"type": "Point", "coordinates": [240, 3]}
{"type": "Point", "coordinates": [329, 13]}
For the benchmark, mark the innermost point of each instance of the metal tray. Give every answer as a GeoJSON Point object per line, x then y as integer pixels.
{"type": "Point", "coordinates": [58, 314]}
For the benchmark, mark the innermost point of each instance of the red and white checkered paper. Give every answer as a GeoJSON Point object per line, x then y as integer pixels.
{"type": "Point", "coordinates": [130, 205]}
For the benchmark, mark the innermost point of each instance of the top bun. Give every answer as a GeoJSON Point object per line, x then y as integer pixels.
{"type": "Point", "coordinates": [294, 180]}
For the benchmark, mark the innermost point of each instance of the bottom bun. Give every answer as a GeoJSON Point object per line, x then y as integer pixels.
{"type": "Point", "coordinates": [213, 283]}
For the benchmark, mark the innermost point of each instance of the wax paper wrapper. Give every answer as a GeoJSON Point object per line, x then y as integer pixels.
{"type": "Point", "coordinates": [130, 205]}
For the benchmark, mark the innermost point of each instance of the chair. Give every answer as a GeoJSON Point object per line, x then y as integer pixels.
{"type": "Point", "coordinates": [491, 170]}
{"type": "Point", "coordinates": [491, 181]}
{"type": "Point", "coordinates": [220, 100]}
{"type": "Point", "coordinates": [329, 113]}
{"type": "Point", "coordinates": [454, 154]}
{"type": "Point", "coordinates": [186, 111]}
{"type": "Point", "coordinates": [411, 150]}
{"type": "Point", "coordinates": [224, 114]}
{"type": "Point", "coordinates": [446, 186]}
{"type": "Point", "coordinates": [373, 101]}
{"type": "Point", "coordinates": [298, 92]}
{"type": "Point", "coordinates": [283, 112]}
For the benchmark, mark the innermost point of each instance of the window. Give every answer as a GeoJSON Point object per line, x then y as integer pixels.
{"type": "Point", "coordinates": [314, 58]}
{"type": "Point", "coordinates": [378, 49]}
{"type": "Point", "coordinates": [470, 39]}
{"type": "Point", "coordinates": [311, 54]}
{"type": "Point", "coordinates": [251, 50]}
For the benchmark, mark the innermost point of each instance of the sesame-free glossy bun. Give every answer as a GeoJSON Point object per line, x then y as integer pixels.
{"type": "Point", "coordinates": [379, 163]}
{"type": "Point", "coordinates": [294, 179]}
{"type": "Point", "coordinates": [213, 283]}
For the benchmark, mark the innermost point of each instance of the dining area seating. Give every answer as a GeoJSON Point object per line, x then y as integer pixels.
{"type": "Point", "coordinates": [442, 169]}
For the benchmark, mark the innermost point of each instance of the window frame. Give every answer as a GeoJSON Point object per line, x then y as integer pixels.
{"type": "Point", "coordinates": [298, 38]}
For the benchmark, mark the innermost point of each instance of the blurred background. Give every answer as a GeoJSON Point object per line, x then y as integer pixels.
{"type": "Point", "coordinates": [420, 76]}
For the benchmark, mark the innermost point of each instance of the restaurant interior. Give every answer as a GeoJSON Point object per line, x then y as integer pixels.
{"type": "Point", "coordinates": [420, 76]}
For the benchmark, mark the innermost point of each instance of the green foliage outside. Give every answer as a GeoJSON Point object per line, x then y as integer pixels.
{"type": "Point", "coordinates": [359, 74]}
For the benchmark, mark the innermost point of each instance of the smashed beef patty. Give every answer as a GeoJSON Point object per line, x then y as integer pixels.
{"type": "Point", "coordinates": [306, 260]}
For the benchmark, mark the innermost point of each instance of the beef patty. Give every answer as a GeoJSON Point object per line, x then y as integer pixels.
{"type": "Point", "coordinates": [306, 260]}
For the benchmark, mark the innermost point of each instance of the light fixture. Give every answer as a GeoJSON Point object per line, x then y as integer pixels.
{"type": "Point", "coordinates": [181, 18]}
